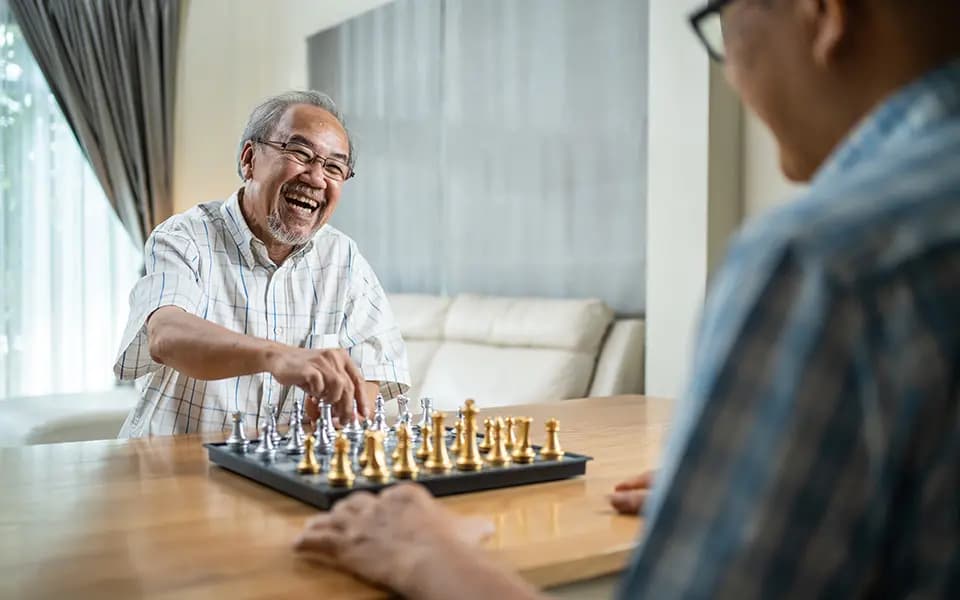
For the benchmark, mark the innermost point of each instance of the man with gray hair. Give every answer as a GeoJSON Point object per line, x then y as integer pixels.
{"type": "Point", "coordinates": [249, 301]}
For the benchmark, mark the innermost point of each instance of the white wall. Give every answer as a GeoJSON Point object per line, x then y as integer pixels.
{"type": "Point", "coordinates": [233, 54]}
{"type": "Point", "coordinates": [693, 199]}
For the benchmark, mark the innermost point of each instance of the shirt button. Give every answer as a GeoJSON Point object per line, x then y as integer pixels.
{"type": "Point", "coordinates": [278, 330]}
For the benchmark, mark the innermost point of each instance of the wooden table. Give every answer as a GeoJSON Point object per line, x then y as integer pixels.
{"type": "Point", "coordinates": [152, 517]}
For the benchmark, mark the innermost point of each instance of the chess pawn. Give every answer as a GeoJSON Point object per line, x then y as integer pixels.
{"type": "Point", "coordinates": [469, 457]}
{"type": "Point", "coordinates": [552, 450]}
{"type": "Point", "coordinates": [457, 438]}
{"type": "Point", "coordinates": [238, 441]}
{"type": "Point", "coordinates": [426, 405]}
{"type": "Point", "coordinates": [438, 461]}
{"type": "Point", "coordinates": [405, 467]}
{"type": "Point", "coordinates": [510, 438]}
{"type": "Point", "coordinates": [524, 453]}
{"type": "Point", "coordinates": [308, 464]}
{"type": "Point", "coordinates": [354, 429]}
{"type": "Point", "coordinates": [487, 442]}
{"type": "Point", "coordinates": [499, 457]}
{"type": "Point", "coordinates": [375, 465]}
{"type": "Point", "coordinates": [295, 444]}
{"type": "Point", "coordinates": [266, 449]}
{"type": "Point", "coordinates": [426, 443]}
{"type": "Point", "coordinates": [341, 471]}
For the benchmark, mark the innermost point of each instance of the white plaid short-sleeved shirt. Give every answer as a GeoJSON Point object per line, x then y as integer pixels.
{"type": "Point", "coordinates": [208, 262]}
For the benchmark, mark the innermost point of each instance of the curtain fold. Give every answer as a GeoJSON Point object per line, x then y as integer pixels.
{"type": "Point", "coordinates": [111, 66]}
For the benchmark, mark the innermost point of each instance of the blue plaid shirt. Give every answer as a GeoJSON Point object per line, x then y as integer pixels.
{"type": "Point", "coordinates": [817, 451]}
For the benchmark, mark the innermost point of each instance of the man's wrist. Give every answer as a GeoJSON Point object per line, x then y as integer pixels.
{"type": "Point", "coordinates": [267, 355]}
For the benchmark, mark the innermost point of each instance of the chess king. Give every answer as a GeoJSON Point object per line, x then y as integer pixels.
{"type": "Point", "coordinates": [253, 299]}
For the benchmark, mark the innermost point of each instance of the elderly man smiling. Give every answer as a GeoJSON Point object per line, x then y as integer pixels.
{"type": "Point", "coordinates": [251, 300]}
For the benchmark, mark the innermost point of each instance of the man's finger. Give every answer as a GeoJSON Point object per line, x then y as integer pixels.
{"type": "Point", "coordinates": [644, 480]}
{"type": "Point", "coordinates": [360, 393]}
{"type": "Point", "coordinates": [326, 541]}
{"type": "Point", "coordinates": [628, 502]}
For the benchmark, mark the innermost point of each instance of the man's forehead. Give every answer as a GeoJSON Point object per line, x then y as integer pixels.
{"type": "Point", "coordinates": [313, 124]}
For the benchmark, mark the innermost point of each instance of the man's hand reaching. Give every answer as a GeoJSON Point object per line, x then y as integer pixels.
{"type": "Point", "coordinates": [327, 374]}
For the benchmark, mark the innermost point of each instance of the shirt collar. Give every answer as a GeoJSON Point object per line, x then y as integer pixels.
{"type": "Point", "coordinates": [251, 248]}
{"type": "Point", "coordinates": [931, 99]}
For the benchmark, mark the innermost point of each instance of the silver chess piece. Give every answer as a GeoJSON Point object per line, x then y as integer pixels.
{"type": "Point", "coordinates": [238, 441]}
{"type": "Point", "coordinates": [266, 449]}
{"type": "Point", "coordinates": [274, 430]}
{"type": "Point", "coordinates": [403, 418]}
{"type": "Point", "coordinates": [354, 429]}
{"type": "Point", "coordinates": [426, 406]}
{"type": "Point", "coordinates": [297, 437]}
{"type": "Point", "coordinates": [325, 433]}
{"type": "Point", "coordinates": [379, 418]}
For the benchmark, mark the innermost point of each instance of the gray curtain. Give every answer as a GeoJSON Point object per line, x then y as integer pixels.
{"type": "Point", "coordinates": [501, 144]}
{"type": "Point", "coordinates": [111, 66]}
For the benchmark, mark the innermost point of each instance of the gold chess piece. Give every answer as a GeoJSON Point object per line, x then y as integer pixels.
{"type": "Point", "coordinates": [426, 443]}
{"type": "Point", "coordinates": [470, 458]}
{"type": "Point", "coordinates": [341, 471]}
{"type": "Point", "coordinates": [308, 464]}
{"type": "Point", "coordinates": [552, 449]}
{"type": "Point", "coordinates": [375, 468]}
{"type": "Point", "coordinates": [457, 438]}
{"type": "Point", "coordinates": [404, 467]}
{"type": "Point", "coordinates": [499, 456]}
{"type": "Point", "coordinates": [438, 461]}
{"type": "Point", "coordinates": [510, 437]}
{"type": "Point", "coordinates": [487, 442]}
{"type": "Point", "coordinates": [524, 453]}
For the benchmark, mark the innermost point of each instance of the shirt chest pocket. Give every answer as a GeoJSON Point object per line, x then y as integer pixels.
{"type": "Point", "coordinates": [318, 341]}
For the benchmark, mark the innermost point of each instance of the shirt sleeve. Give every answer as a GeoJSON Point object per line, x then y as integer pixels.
{"type": "Point", "coordinates": [765, 480]}
{"type": "Point", "coordinates": [171, 264]}
{"type": "Point", "coordinates": [369, 331]}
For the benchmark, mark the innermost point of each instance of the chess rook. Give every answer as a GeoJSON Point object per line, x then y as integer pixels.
{"type": "Point", "coordinates": [238, 441]}
{"type": "Point", "coordinates": [524, 452]}
{"type": "Point", "coordinates": [552, 449]}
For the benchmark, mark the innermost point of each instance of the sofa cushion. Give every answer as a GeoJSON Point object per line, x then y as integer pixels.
{"type": "Point", "coordinates": [419, 316]}
{"type": "Point", "coordinates": [65, 417]}
{"type": "Point", "coordinates": [504, 376]}
{"type": "Point", "coordinates": [420, 354]}
{"type": "Point", "coordinates": [572, 325]}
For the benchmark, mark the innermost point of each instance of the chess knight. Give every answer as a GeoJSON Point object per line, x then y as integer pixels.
{"type": "Point", "coordinates": [256, 300]}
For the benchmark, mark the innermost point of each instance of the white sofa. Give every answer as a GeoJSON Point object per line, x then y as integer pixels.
{"type": "Point", "coordinates": [506, 351]}
{"type": "Point", "coordinates": [499, 351]}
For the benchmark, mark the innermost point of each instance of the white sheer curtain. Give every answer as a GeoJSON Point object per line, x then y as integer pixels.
{"type": "Point", "coordinates": [67, 263]}
{"type": "Point", "coordinates": [502, 144]}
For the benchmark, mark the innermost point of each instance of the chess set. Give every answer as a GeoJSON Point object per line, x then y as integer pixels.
{"type": "Point", "coordinates": [327, 464]}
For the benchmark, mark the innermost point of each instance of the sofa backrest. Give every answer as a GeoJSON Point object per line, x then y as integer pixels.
{"type": "Point", "coordinates": [500, 351]}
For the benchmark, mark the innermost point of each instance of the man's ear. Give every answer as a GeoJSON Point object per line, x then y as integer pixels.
{"type": "Point", "coordinates": [829, 21]}
{"type": "Point", "coordinates": [247, 160]}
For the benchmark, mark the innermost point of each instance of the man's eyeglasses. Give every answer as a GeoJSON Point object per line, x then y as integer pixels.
{"type": "Point", "coordinates": [333, 168]}
{"type": "Point", "coordinates": [708, 25]}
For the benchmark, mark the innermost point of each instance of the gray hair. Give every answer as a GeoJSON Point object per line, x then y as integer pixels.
{"type": "Point", "coordinates": [264, 118]}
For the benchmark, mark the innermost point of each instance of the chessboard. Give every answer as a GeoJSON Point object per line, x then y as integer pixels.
{"type": "Point", "coordinates": [327, 465]}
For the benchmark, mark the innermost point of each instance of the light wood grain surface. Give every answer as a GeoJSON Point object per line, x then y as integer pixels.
{"type": "Point", "coordinates": [152, 517]}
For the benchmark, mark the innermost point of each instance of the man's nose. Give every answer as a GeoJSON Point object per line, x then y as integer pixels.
{"type": "Point", "coordinates": [313, 176]}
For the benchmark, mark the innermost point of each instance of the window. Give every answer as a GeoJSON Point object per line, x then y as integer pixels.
{"type": "Point", "coordinates": [66, 262]}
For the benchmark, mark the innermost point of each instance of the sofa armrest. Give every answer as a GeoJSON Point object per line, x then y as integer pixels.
{"type": "Point", "coordinates": [620, 364]}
